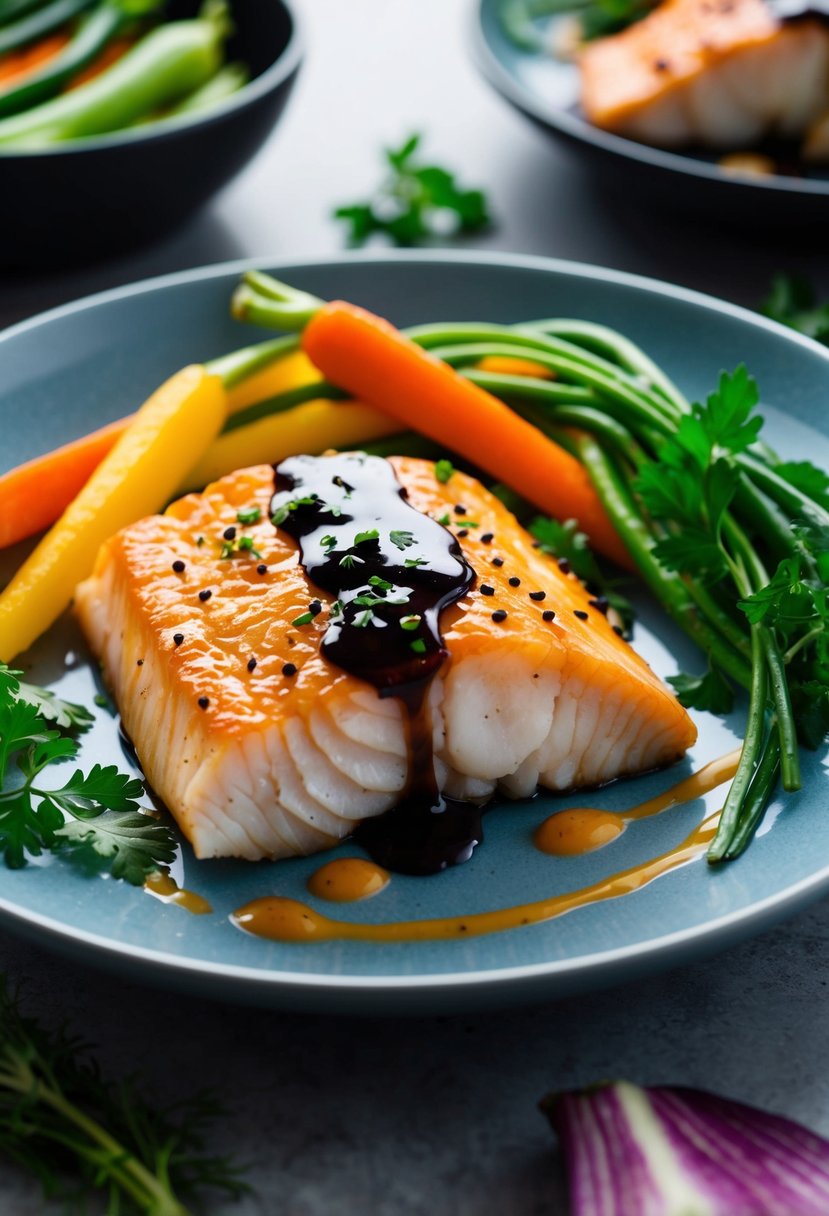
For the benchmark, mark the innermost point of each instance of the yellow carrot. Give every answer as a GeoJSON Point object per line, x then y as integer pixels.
{"type": "Point", "coordinates": [169, 433]}
{"type": "Point", "coordinates": [310, 428]}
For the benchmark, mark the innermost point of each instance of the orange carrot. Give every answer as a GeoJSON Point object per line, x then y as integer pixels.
{"type": "Point", "coordinates": [374, 362]}
{"type": "Point", "coordinates": [14, 65]}
{"type": "Point", "coordinates": [35, 494]}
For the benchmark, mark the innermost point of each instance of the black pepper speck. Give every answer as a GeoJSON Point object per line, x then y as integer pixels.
{"type": "Point", "coordinates": [459, 509]}
{"type": "Point", "coordinates": [564, 565]}
{"type": "Point", "coordinates": [178, 638]}
{"type": "Point", "coordinates": [548, 615]}
{"type": "Point", "coordinates": [581, 615]}
{"type": "Point", "coordinates": [538, 595]}
{"type": "Point", "coordinates": [262, 568]}
{"type": "Point", "coordinates": [139, 663]}
{"type": "Point", "coordinates": [498, 561]}
{"type": "Point", "coordinates": [487, 538]}
{"type": "Point", "coordinates": [205, 595]}
{"type": "Point", "coordinates": [514, 581]}
{"type": "Point", "coordinates": [178, 566]}
{"type": "Point", "coordinates": [499, 615]}
{"type": "Point", "coordinates": [229, 533]}
{"type": "Point", "coordinates": [486, 589]}
{"type": "Point", "coordinates": [463, 532]}
{"type": "Point", "coordinates": [251, 663]}
{"type": "Point", "coordinates": [204, 702]}
{"type": "Point", "coordinates": [289, 669]}
{"type": "Point", "coordinates": [315, 607]}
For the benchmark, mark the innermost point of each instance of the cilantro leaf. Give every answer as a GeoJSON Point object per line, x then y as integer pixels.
{"type": "Point", "coordinates": [403, 540]}
{"type": "Point", "coordinates": [84, 796]}
{"type": "Point", "coordinates": [710, 691]}
{"type": "Point", "coordinates": [807, 478]}
{"type": "Point", "coordinates": [65, 714]}
{"type": "Point", "coordinates": [128, 844]}
{"type": "Point", "coordinates": [415, 202]}
{"type": "Point", "coordinates": [792, 301]}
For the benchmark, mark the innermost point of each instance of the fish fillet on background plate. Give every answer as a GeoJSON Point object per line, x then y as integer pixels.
{"type": "Point", "coordinates": [726, 73]}
{"type": "Point", "coordinates": [254, 762]}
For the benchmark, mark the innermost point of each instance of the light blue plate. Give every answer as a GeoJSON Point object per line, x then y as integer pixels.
{"type": "Point", "coordinates": [79, 366]}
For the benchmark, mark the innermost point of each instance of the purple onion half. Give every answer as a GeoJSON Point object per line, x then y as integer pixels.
{"type": "Point", "coordinates": [671, 1151]}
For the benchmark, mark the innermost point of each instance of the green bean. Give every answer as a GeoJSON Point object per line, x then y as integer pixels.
{"type": "Point", "coordinates": [169, 62]}
{"type": "Point", "coordinates": [38, 24]}
{"type": "Point", "coordinates": [616, 348]}
{"type": "Point", "coordinates": [757, 798]}
{"type": "Point", "coordinates": [227, 81]}
{"type": "Point", "coordinates": [95, 31]}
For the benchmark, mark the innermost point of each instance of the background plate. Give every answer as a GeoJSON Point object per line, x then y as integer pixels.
{"type": "Point", "coordinates": [79, 366]}
{"type": "Point", "coordinates": [547, 91]}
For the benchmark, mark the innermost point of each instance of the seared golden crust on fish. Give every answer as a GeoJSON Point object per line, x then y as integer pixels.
{"type": "Point", "coordinates": [261, 748]}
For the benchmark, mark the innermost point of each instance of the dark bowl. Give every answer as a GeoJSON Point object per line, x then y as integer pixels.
{"type": "Point", "coordinates": [94, 197]}
{"type": "Point", "coordinates": [683, 183]}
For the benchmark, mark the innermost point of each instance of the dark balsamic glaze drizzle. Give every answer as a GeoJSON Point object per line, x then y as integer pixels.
{"type": "Point", "coordinates": [386, 632]}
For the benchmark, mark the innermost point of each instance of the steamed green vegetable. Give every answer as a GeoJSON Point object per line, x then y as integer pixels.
{"type": "Point", "coordinates": [30, 28]}
{"type": "Point", "coordinates": [95, 31]}
{"type": "Point", "coordinates": [166, 65]}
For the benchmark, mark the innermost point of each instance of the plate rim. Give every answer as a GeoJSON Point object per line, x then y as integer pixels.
{"type": "Point", "coordinates": [521, 980]}
{"type": "Point", "coordinates": [581, 131]}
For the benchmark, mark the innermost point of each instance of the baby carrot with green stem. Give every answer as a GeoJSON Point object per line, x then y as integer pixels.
{"type": "Point", "coordinates": [384, 368]}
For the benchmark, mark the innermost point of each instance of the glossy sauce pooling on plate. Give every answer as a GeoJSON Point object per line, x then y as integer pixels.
{"type": "Point", "coordinates": [288, 920]}
{"type": "Point", "coordinates": [346, 879]}
{"type": "Point", "coordinates": [392, 570]}
{"type": "Point", "coordinates": [577, 830]}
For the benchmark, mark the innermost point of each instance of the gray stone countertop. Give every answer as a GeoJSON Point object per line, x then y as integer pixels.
{"type": "Point", "coordinates": [437, 1115]}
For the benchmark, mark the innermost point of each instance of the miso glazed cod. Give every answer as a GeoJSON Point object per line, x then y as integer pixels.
{"type": "Point", "coordinates": [349, 640]}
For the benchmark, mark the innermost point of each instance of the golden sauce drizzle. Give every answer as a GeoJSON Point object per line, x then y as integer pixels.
{"type": "Point", "coordinates": [577, 830]}
{"type": "Point", "coordinates": [165, 888]}
{"type": "Point", "coordinates": [287, 920]}
{"type": "Point", "coordinates": [582, 829]}
{"type": "Point", "coordinates": [347, 879]}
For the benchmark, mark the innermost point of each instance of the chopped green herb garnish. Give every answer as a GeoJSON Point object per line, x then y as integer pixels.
{"type": "Point", "coordinates": [401, 540]}
{"type": "Point", "coordinates": [409, 622]}
{"type": "Point", "coordinates": [364, 619]}
{"type": "Point", "coordinates": [368, 535]}
{"type": "Point", "coordinates": [349, 560]}
{"type": "Point", "coordinates": [444, 470]}
{"type": "Point", "coordinates": [414, 203]}
{"type": "Point", "coordinates": [249, 515]}
{"type": "Point", "coordinates": [305, 619]}
{"type": "Point", "coordinates": [444, 519]}
{"type": "Point", "coordinates": [328, 542]}
{"type": "Point", "coordinates": [418, 646]}
{"type": "Point", "coordinates": [411, 563]}
{"type": "Point", "coordinates": [376, 581]}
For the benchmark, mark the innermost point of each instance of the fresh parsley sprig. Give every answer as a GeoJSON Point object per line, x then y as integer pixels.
{"type": "Point", "coordinates": [793, 301]}
{"type": "Point", "coordinates": [91, 818]}
{"type": "Point", "coordinates": [83, 1136]}
{"type": "Point", "coordinates": [415, 202]}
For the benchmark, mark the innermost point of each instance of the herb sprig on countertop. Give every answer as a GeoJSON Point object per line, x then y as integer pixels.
{"type": "Point", "coordinates": [415, 202]}
{"type": "Point", "coordinates": [92, 818]}
{"type": "Point", "coordinates": [82, 1135]}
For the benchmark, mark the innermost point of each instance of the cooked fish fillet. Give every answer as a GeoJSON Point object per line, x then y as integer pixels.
{"type": "Point", "coordinates": [724, 73]}
{"type": "Point", "coordinates": [259, 763]}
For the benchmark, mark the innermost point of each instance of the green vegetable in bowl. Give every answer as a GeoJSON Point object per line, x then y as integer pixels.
{"type": "Point", "coordinates": [31, 28]}
{"type": "Point", "coordinates": [227, 81]}
{"type": "Point", "coordinates": [95, 31]}
{"type": "Point", "coordinates": [169, 63]}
